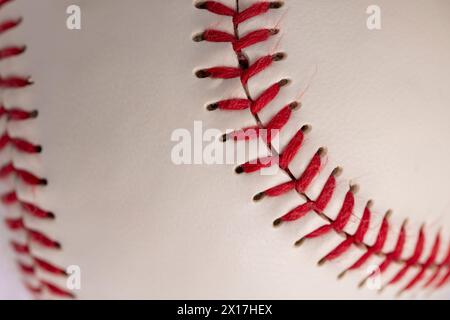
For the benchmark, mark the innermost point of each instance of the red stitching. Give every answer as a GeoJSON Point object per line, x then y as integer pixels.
{"type": "Point", "coordinates": [245, 71]}
{"type": "Point", "coordinates": [11, 198]}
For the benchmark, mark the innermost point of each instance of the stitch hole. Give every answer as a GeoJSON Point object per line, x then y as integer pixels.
{"type": "Point", "coordinates": [277, 222]}
{"type": "Point", "coordinates": [239, 170]}
{"type": "Point", "coordinates": [279, 56]}
{"type": "Point", "coordinates": [201, 5]}
{"type": "Point", "coordinates": [306, 128]}
{"type": "Point", "coordinates": [274, 31]}
{"type": "Point", "coordinates": [38, 149]}
{"type": "Point", "coordinates": [212, 106]}
{"type": "Point", "coordinates": [322, 152]}
{"type": "Point", "coordinates": [258, 196]}
{"type": "Point", "coordinates": [295, 105]}
{"type": "Point", "coordinates": [337, 172]}
{"type": "Point", "coordinates": [224, 137]}
{"type": "Point", "coordinates": [276, 4]}
{"type": "Point", "coordinates": [354, 188]}
{"type": "Point", "coordinates": [243, 60]}
{"type": "Point", "coordinates": [34, 114]}
{"type": "Point", "coordinates": [202, 74]}
{"type": "Point", "coordinates": [284, 82]}
{"type": "Point", "coordinates": [43, 182]}
{"type": "Point", "coordinates": [198, 37]}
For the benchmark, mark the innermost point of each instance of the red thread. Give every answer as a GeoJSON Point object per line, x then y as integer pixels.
{"type": "Point", "coordinates": [14, 224]}
{"type": "Point", "coordinates": [23, 175]}
{"type": "Point", "coordinates": [246, 71]}
{"type": "Point", "coordinates": [357, 238]}
{"type": "Point", "coordinates": [9, 52]}
{"type": "Point", "coordinates": [430, 261]}
{"type": "Point", "coordinates": [217, 36]}
{"type": "Point", "coordinates": [259, 65]}
{"type": "Point", "coordinates": [46, 266]}
{"type": "Point", "coordinates": [443, 264]}
{"type": "Point", "coordinates": [413, 259]}
{"type": "Point", "coordinates": [26, 269]}
{"type": "Point", "coordinates": [9, 24]}
{"type": "Point", "coordinates": [19, 144]}
{"type": "Point", "coordinates": [253, 38]}
{"type": "Point", "coordinates": [40, 238]}
{"type": "Point", "coordinates": [311, 171]}
{"type": "Point", "coordinates": [57, 291]}
{"type": "Point", "coordinates": [216, 7]}
{"type": "Point", "coordinates": [20, 248]}
{"type": "Point", "coordinates": [291, 150]}
{"type": "Point", "coordinates": [13, 82]}
{"type": "Point", "coordinates": [377, 247]}
{"type": "Point", "coordinates": [266, 97]}
{"type": "Point", "coordinates": [254, 10]}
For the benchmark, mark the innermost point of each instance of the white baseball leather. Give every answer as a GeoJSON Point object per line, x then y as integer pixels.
{"type": "Point", "coordinates": [139, 226]}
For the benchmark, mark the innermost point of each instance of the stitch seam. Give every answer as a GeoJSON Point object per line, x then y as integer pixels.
{"type": "Point", "coordinates": [300, 184]}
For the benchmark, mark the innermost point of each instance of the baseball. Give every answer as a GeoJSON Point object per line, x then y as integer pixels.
{"type": "Point", "coordinates": [228, 149]}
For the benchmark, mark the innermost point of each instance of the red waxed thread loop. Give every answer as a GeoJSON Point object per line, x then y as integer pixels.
{"type": "Point", "coordinates": [311, 171]}
{"type": "Point", "coordinates": [319, 231]}
{"type": "Point", "coordinates": [9, 52]}
{"type": "Point", "coordinates": [16, 114]}
{"type": "Point", "coordinates": [211, 35]}
{"type": "Point", "coordinates": [377, 247]}
{"type": "Point", "coordinates": [296, 213]}
{"type": "Point", "coordinates": [15, 224]}
{"type": "Point", "coordinates": [431, 259]}
{"type": "Point", "coordinates": [3, 2]}
{"type": "Point", "coordinates": [20, 248]}
{"type": "Point", "coordinates": [3, 111]}
{"type": "Point", "coordinates": [253, 38]}
{"type": "Point", "coordinates": [444, 280]}
{"type": "Point", "coordinates": [363, 226]}
{"type": "Point", "coordinates": [397, 252]}
{"type": "Point", "coordinates": [279, 121]}
{"type": "Point", "coordinates": [216, 7]}
{"type": "Point", "coordinates": [254, 10]}
{"type": "Point", "coordinates": [418, 250]}
{"type": "Point", "coordinates": [26, 269]}
{"type": "Point", "coordinates": [25, 146]}
{"type": "Point", "coordinates": [276, 191]}
{"type": "Point", "coordinates": [230, 104]}
{"type": "Point", "coordinates": [340, 222]}
{"type": "Point", "coordinates": [436, 273]}
{"type": "Point", "coordinates": [9, 198]}
{"type": "Point", "coordinates": [29, 178]}
{"type": "Point", "coordinates": [6, 170]}
{"type": "Point", "coordinates": [345, 212]}
{"type": "Point", "coordinates": [57, 291]}
{"type": "Point", "coordinates": [42, 239]}
{"type": "Point", "coordinates": [338, 251]}
{"type": "Point", "coordinates": [219, 73]}
{"type": "Point", "coordinates": [327, 192]}
{"type": "Point", "coordinates": [46, 266]}
{"type": "Point", "coordinates": [4, 140]}
{"type": "Point", "coordinates": [37, 212]}
{"type": "Point", "coordinates": [245, 134]}
{"type": "Point", "coordinates": [259, 65]}
{"type": "Point", "coordinates": [267, 96]}
{"type": "Point", "coordinates": [36, 290]}
{"type": "Point", "coordinates": [14, 82]}
{"type": "Point", "coordinates": [291, 150]}
{"type": "Point", "coordinates": [257, 165]}
{"type": "Point", "coordinates": [9, 24]}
